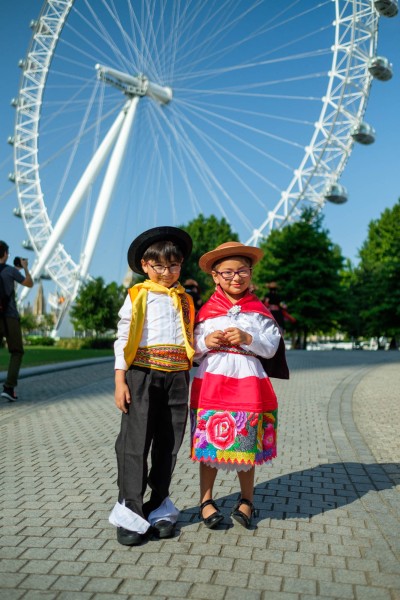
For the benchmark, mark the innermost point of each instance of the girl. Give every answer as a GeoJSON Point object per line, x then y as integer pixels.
{"type": "Point", "coordinates": [233, 404]}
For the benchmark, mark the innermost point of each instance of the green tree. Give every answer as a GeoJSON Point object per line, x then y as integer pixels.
{"type": "Point", "coordinates": [28, 322]}
{"type": "Point", "coordinates": [305, 263]}
{"type": "Point", "coordinates": [350, 321]}
{"type": "Point", "coordinates": [378, 276]}
{"type": "Point", "coordinates": [96, 306]}
{"type": "Point", "coordinates": [206, 233]}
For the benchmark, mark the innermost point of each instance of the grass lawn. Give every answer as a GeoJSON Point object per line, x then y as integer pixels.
{"type": "Point", "coordinates": [44, 355]}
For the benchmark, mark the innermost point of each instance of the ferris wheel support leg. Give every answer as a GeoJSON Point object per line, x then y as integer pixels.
{"type": "Point", "coordinates": [108, 187]}
{"type": "Point", "coordinates": [78, 194]}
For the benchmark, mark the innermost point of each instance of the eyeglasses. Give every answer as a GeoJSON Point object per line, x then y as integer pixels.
{"type": "Point", "coordinates": [160, 269]}
{"type": "Point", "coordinates": [228, 275]}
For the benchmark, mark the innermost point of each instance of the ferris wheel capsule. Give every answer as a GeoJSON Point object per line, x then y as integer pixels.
{"type": "Point", "coordinates": [363, 134]}
{"type": "Point", "coordinates": [27, 244]}
{"type": "Point", "coordinates": [387, 8]}
{"type": "Point", "coordinates": [336, 193]}
{"type": "Point", "coordinates": [380, 68]}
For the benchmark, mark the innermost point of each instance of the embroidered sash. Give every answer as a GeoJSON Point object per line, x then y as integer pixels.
{"type": "Point", "coordinates": [162, 358]}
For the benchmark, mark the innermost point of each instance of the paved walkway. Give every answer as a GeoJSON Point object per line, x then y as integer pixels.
{"type": "Point", "coordinates": [329, 524]}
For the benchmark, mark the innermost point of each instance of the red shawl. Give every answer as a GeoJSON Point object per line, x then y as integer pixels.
{"type": "Point", "coordinates": [218, 306]}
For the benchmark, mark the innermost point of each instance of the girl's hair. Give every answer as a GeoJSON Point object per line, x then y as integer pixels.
{"type": "Point", "coordinates": [164, 250]}
{"type": "Point", "coordinates": [246, 259]}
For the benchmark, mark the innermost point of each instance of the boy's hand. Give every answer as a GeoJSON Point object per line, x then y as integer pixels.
{"type": "Point", "coordinates": [236, 336]}
{"type": "Point", "coordinates": [215, 339]}
{"type": "Point", "coordinates": [122, 394]}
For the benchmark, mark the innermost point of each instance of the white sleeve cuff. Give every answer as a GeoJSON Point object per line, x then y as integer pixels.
{"type": "Point", "coordinates": [167, 511]}
{"type": "Point", "coordinates": [122, 516]}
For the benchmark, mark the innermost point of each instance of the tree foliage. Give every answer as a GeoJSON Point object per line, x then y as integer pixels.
{"type": "Point", "coordinates": [206, 233]}
{"type": "Point", "coordinates": [378, 276]}
{"type": "Point", "coordinates": [305, 263]}
{"type": "Point", "coordinates": [96, 306]}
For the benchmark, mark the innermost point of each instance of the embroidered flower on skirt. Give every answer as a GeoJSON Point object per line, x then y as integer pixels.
{"type": "Point", "coordinates": [233, 437]}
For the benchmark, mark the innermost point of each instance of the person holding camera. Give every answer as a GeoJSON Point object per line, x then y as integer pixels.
{"type": "Point", "coordinates": [10, 326]}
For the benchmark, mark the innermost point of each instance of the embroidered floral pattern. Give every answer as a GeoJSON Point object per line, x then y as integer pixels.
{"type": "Point", "coordinates": [221, 430]}
{"type": "Point", "coordinates": [233, 437]}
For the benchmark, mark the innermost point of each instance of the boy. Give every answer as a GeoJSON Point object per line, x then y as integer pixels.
{"type": "Point", "coordinates": [153, 355]}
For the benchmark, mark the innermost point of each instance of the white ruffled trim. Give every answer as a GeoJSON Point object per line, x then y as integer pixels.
{"type": "Point", "coordinates": [167, 511]}
{"type": "Point", "coordinates": [122, 516]}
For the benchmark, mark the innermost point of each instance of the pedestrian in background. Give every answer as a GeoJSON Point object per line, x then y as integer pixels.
{"type": "Point", "coordinates": [10, 325]}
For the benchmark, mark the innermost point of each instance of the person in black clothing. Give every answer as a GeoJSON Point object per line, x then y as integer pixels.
{"type": "Point", "coordinates": [10, 326]}
{"type": "Point", "coordinates": [192, 287]}
{"type": "Point", "coordinates": [275, 305]}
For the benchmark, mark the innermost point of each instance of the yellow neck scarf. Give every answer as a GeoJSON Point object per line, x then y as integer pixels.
{"type": "Point", "coordinates": [182, 302]}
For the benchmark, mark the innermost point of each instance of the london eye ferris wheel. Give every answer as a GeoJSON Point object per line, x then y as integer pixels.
{"type": "Point", "coordinates": [166, 109]}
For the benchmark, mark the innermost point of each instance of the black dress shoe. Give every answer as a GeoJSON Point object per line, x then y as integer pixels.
{"type": "Point", "coordinates": [164, 529]}
{"type": "Point", "coordinates": [129, 538]}
{"type": "Point", "coordinates": [215, 518]}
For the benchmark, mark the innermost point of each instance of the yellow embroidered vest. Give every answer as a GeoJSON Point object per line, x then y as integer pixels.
{"type": "Point", "coordinates": [183, 303]}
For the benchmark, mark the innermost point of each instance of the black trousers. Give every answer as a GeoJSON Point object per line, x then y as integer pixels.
{"type": "Point", "coordinates": [156, 419]}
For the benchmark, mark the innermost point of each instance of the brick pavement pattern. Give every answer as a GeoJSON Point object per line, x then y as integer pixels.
{"type": "Point", "coordinates": [329, 523]}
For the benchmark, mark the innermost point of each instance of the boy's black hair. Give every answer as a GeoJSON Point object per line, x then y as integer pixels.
{"type": "Point", "coordinates": [3, 248]}
{"type": "Point", "coordinates": [163, 251]}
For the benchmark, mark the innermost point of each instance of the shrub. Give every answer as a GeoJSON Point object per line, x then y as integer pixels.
{"type": "Point", "coordinates": [99, 343]}
{"type": "Point", "coordinates": [39, 340]}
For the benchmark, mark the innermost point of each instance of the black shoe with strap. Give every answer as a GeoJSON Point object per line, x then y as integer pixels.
{"type": "Point", "coordinates": [240, 516]}
{"type": "Point", "coordinates": [215, 518]}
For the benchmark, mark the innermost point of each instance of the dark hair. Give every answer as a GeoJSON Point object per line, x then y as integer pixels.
{"type": "Point", "coordinates": [3, 248]}
{"type": "Point", "coordinates": [164, 250]}
{"type": "Point", "coordinates": [221, 260]}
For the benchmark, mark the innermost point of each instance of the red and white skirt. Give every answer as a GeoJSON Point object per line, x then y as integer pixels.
{"type": "Point", "coordinates": [234, 412]}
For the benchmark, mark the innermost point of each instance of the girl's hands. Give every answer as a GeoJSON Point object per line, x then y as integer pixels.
{"type": "Point", "coordinates": [236, 337]}
{"type": "Point", "coordinates": [215, 339]}
{"type": "Point", "coordinates": [122, 394]}
{"type": "Point", "coordinates": [231, 337]}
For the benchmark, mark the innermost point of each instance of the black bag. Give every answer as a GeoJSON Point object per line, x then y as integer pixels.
{"type": "Point", "coordinates": [4, 298]}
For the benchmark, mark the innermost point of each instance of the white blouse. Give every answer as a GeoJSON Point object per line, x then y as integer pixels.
{"type": "Point", "coordinates": [264, 331]}
{"type": "Point", "coordinates": [162, 325]}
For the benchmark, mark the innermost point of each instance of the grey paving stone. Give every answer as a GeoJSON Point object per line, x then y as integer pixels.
{"type": "Point", "coordinates": [327, 508]}
{"type": "Point", "coordinates": [203, 591]}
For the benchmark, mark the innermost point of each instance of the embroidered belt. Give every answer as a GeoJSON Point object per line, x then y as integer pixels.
{"type": "Point", "coordinates": [232, 350]}
{"type": "Point", "coordinates": [162, 358]}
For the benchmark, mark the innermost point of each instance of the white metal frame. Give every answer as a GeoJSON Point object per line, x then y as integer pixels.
{"type": "Point", "coordinates": [356, 29]}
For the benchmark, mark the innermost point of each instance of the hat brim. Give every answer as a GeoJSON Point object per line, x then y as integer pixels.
{"type": "Point", "coordinates": [207, 261]}
{"type": "Point", "coordinates": [157, 234]}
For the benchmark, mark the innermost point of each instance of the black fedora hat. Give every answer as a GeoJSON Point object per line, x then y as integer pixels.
{"type": "Point", "coordinates": [157, 234]}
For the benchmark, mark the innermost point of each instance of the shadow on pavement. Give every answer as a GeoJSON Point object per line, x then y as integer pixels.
{"type": "Point", "coordinates": [310, 492]}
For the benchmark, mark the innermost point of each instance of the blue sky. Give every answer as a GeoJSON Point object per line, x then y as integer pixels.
{"type": "Point", "coordinates": [371, 175]}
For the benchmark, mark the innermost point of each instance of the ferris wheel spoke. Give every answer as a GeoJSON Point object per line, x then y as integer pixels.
{"type": "Point", "coordinates": [212, 144]}
{"type": "Point", "coordinates": [215, 181]}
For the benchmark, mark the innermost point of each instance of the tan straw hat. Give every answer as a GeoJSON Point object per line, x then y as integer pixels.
{"type": "Point", "coordinates": [226, 250]}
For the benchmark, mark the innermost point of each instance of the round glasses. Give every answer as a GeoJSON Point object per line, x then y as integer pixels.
{"type": "Point", "coordinates": [228, 275]}
{"type": "Point", "coordinates": [160, 269]}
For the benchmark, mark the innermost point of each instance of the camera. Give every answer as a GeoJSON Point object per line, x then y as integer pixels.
{"type": "Point", "coordinates": [17, 262]}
